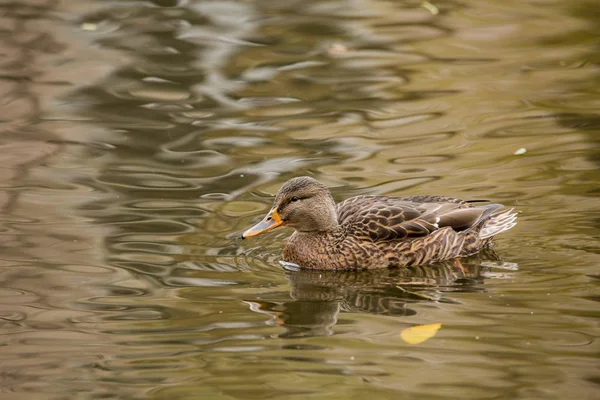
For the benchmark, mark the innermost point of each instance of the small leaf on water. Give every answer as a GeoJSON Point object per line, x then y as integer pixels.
{"type": "Point", "coordinates": [520, 151]}
{"type": "Point", "coordinates": [336, 49]}
{"type": "Point", "coordinates": [87, 26]}
{"type": "Point", "coordinates": [430, 7]}
{"type": "Point", "coordinates": [420, 333]}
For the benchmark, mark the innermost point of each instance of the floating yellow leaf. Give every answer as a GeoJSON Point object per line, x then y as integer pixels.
{"type": "Point", "coordinates": [420, 333]}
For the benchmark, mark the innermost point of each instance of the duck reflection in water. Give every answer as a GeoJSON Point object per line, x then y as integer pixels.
{"type": "Point", "coordinates": [320, 296]}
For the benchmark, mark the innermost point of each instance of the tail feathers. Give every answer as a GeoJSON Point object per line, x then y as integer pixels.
{"type": "Point", "coordinates": [497, 223]}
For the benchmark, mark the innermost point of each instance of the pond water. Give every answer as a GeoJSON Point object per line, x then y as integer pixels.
{"type": "Point", "coordinates": [140, 138]}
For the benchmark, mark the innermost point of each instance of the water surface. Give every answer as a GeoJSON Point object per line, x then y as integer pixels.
{"type": "Point", "coordinates": [139, 139]}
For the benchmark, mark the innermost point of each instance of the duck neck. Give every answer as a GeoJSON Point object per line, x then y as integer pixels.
{"type": "Point", "coordinates": [322, 219]}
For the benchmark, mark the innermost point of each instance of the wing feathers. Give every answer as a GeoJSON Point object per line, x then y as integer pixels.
{"type": "Point", "coordinates": [381, 218]}
{"type": "Point", "coordinates": [461, 219]}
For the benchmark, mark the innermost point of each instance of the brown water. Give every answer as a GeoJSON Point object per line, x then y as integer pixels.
{"type": "Point", "coordinates": [139, 138]}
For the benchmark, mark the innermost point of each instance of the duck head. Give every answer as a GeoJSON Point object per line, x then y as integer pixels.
{"type": "Point", "coordinates": [302, 203]}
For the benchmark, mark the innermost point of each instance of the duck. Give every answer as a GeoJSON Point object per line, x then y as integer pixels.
{"type": "Point", "coordinates": [371, 232]}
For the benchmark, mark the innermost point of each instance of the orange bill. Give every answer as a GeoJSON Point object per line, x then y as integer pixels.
{"type": "Point", "coordinates": [271, 221]}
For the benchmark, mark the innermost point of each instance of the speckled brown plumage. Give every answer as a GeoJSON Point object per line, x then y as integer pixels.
{"type": "Point", "coordinates": [366, 232]}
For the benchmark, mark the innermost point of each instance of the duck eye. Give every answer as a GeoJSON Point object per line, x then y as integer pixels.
{"type": "Point", "coordinates": [295, 198]}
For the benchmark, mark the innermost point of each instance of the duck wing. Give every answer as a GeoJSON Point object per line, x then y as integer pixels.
{"type": "Point", "coordinates": [381, 218]}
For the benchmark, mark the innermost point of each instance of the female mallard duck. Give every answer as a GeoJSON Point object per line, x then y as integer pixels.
{"type": "Point", "coordinates": [367, 232]}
